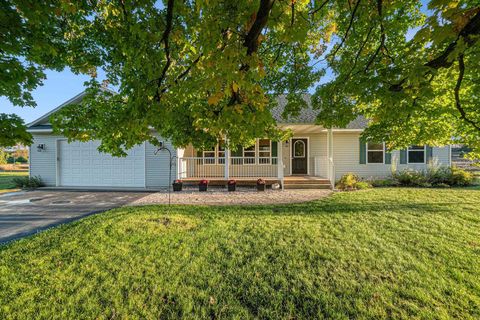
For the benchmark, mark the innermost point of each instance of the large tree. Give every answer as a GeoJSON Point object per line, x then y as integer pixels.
{"type": "Point", "coordinates": [35, 35]}
{"type": "Point", "coordinates": [198, 70]}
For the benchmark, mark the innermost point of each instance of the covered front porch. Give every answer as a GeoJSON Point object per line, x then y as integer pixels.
{"type": "Point", "coordinates": [305, 159]}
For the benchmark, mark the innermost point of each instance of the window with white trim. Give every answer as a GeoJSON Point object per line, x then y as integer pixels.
{"type": "Point", "coordinates": [249, 155]}
{"type": "Point", "coordinates": [375, 152]}
{"type": "Point", "coordinates": [209, 156]}
{"type": "Point", "coordinates": [299, 149]}
{"type": "Point", "coordinates": [264, 151]}
{"type": "Point", "coordinates": [416, 154]}
{"type": "Point", "coordinates": [221, 152]}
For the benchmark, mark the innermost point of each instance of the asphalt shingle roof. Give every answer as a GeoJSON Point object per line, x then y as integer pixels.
{"type": "Point", "coordinates": [308, 115]}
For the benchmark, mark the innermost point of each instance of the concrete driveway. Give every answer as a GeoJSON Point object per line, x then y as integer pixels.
{"type": "Point", "coordinates": [25, 213]}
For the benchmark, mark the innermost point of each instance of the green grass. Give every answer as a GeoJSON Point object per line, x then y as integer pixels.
{"type": "Point", "coordinates": [381, 253]}
{"type": "Point", "coordinates": [6, 180]}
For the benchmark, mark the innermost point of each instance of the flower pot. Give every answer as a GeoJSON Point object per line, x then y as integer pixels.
{"type": "Point", "coordinates": [232, 187]}
{"type": "Point", "coordinates": [202, 187]}
{"type": "Point", "coordinates": [177, 186]}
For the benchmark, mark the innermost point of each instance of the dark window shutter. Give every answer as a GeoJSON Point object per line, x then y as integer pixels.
{"type": "Point", "coordinates": [403, 156]}
{"type": "Point", "coordinates": [274, 152]}
{"type": "Point", "coordinates": [363, 151]}
{"type": "Point", "coordinates": [429, 153]}
{"type": "Point", "coordinates": [388, 157]}
{"type": "Point", "coordinates": [274, 149]}
{"type": "Point", "coordinates": [199, 153]}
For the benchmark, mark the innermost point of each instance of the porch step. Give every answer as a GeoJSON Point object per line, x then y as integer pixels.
{"type": "Point", "coordinates": [307, 181]}
{"type": "Point", "coordinates": [308, 186]}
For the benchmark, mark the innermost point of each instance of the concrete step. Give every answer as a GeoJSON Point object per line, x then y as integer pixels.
{"type": "Point", "coordinates": [308, 186]}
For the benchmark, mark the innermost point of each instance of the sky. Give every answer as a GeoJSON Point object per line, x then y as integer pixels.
{"type": "Point", "coordinates": [62, 86]}
{"type": "Point", "coordinates": [57, 88]}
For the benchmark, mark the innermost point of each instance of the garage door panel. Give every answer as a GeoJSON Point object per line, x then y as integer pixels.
{"type": "Point", "coordinates": [81, 164]}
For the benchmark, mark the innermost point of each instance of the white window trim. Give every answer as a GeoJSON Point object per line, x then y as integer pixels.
{"type": "Point", "coordinates": [209, 159]}
{"type": "Point", "coordinates": [424, 155]}
{"type": "Point", "coordinates": [291, 155]}
{"type": "Point", "coordinates": [269, 151]}
{"type": "Point", "coordinates": [383, 154]}
{"type": "Point", "coordinates": [255, 155]}
{"type": "Point", "coordinates": [304, 148]}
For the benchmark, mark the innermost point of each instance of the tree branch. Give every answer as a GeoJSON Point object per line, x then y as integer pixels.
{"type": "Point", "coordinates": [470, 34]}
{"type": "Point", "coordinates": [458, 105]}
{"type": "Point", "coordinates": [251, 39]}
{"type": "Point", "coordinates": [348, 28]}
{"type": "Point", "coordinates": [165, 40]}
{"type": "Point", "coordinates": [319, 8]}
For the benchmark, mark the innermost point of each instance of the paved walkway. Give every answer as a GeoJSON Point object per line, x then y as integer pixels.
{"type": "Point", "coordinates": [243, 196]}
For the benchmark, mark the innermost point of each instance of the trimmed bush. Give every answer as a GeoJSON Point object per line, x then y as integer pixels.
{"type": "Point", "coordinates": [459, 177]}
{"type": "Point", "coordinates": [28, 182]}
{"type": "Point", "coordinates": [347, 181]}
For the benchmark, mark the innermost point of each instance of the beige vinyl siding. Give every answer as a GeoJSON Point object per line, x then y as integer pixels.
{"type": "Point", "coordinates": [346, 153]}
{"type": "Point", "coordinates": [317, 152]}
{"type": "Point", "coordinates": [44, 164]}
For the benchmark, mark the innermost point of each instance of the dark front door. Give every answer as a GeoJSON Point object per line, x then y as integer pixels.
{"type": "Point", "coordinates": [299, 156]}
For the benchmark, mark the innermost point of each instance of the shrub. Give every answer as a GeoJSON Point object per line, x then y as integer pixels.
{"type": "Point", "coordinates": [11, 160]}
{"type": "Point", "coordinates": [435, 176]}
{"type": "Point", "coordinates": [361, 185]}
{"type": "Point", "coordinates": [28, 182]}
{"type": "Point", "coordinates": [411, 178]}
{"type": "Point", "coordinates": [460, 177]}
{"type": "Point", "coordinates": [383, 183]}
{"type": "Point", "coordinates": [347, 181]}
{"type": "Point", "coordinates": [441, 185]}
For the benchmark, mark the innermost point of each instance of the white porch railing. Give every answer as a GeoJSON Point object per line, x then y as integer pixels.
{"type": "Point", "coordinates": [238, 167]}
{"type": "Point", "coordinates": [325, 167]}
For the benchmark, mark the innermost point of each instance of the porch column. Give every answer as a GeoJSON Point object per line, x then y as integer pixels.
{"type": "Point", "coordinates": [280, 163]}
{"type": "Point", "coordinates": [227, 160]}
{"type": "Point", "coordinates": [331, 167]}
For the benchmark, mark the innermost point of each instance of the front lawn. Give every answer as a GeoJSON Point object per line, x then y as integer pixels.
{"type": "Point", "coordinates": [381, 253]}
{"type": "Point", "coordinates": [6, 180]}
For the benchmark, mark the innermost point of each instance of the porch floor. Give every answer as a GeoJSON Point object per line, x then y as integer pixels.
{"type": "Point", "coordinates": [291, 182]}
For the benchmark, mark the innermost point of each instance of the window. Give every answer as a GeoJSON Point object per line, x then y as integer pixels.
{"type": "Point", "coordinates": [264, 151]}
{"type": "Point", "coordinates": [214, 155]}
{"type": "Point", "coordinates": [299, 149]}
{"type": "Point", "coordinates": [375, 152]}
{"type": "Point", "coordinates": [221, 152]}
{"type": "Point", "coordinates": [209, 156]}
{"type": "Point", "coordinates": [249, 155]}
{"type": "Point", "coordinates": [416, 154]}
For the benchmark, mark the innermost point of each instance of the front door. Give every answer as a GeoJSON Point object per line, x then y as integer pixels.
{"type": "Point", "coordinates": [299, 156]}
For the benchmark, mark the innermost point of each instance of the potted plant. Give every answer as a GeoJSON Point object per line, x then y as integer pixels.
{"type": "Point", "coordinates": [260, 185]}
{"type": "Point", "coordinates": [203, 185]}
{"type": "Point", "coordinates": [231, 184]}
{"type": "Point", "coordinates": [177, 185]}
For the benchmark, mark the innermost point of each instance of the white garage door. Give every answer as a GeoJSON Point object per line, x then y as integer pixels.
{"type": "Point", "coordinates": [80, 164]}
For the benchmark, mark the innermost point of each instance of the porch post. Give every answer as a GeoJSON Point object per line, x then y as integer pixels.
{"type": "Point", "coordinates": [331, 168]}
{"type": "Point", "coordinates": [280, 163]}
{"type": "Point", "coordinates": [227, 174]}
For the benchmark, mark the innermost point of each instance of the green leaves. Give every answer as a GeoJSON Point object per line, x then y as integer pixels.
{"type": "Point", "coordinates": [196, 71]}
{"type": "Point", "coordinates": [13, 131]}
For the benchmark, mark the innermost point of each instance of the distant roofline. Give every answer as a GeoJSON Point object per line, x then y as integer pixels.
{"type": "Point", "coordinates": [70, 101]}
